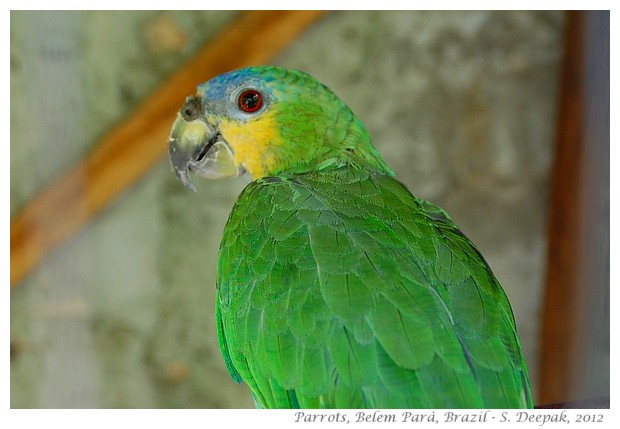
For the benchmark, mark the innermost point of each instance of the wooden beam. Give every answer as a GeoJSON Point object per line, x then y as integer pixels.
{"type": "Point", "coordinates": [577, 292]}
{"type": "Point", "coordinates": [557, 323]}
{"type": "Point", "coordinates": [130, 149]}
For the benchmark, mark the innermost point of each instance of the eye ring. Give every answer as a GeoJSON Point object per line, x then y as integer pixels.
{"type": "Point", "coordinates": [250, 100]}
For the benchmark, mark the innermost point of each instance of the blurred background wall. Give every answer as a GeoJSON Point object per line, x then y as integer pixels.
{"type": "Point", "coordinates": [461, 104]}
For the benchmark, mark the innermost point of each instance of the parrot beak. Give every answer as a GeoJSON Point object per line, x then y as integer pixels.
{"type": "Point", "coordinates": [195, 145]}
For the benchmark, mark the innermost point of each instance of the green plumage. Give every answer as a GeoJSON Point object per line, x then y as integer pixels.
{"type": "Point", "coordinates": [339, 288]}
{"type": "Point", "coordinates": [336, 287]}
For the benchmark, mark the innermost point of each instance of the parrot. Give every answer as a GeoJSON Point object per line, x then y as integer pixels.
{"type": "Point", "coordinates": [335, 286]}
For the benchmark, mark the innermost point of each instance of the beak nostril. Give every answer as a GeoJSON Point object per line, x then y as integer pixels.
{"type": "Point", "coordinates": [192, 108]}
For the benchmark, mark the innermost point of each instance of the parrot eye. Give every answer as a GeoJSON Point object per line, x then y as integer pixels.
{"type": "Point", "coordinates": [250, 101]}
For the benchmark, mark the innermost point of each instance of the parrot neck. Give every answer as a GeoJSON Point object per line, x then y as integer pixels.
{"type": "Point", "coordinates": [345, 143]}
{"type": "Point", "coordinates": [362, 156]}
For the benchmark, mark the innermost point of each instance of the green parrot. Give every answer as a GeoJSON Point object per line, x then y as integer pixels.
{"type": "Point", "coordinates": [336, 287]}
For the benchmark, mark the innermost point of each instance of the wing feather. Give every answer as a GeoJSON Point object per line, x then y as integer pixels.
{"type": "Point", "coordinates": [341, 289]}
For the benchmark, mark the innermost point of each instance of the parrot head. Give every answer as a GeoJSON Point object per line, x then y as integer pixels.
{"type": "Point", "coordinates": [266, 121]}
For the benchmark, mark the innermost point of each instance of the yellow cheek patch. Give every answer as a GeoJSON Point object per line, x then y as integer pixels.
{"type": "Point", "coordinates": [252, 143]}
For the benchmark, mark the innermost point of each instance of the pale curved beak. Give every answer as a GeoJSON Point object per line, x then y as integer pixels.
{"type": "Point", "coordinates": [195, 145]}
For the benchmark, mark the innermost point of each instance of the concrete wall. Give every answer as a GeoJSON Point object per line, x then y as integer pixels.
{"type": "Point", "coordinates": [461, 105]}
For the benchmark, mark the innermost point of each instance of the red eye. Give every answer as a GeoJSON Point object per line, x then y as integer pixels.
{"type": "Point", "coordinates": [250, 101]}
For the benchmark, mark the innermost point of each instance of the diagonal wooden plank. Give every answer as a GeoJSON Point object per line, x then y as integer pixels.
{"type": "Point", "coordinates": [129, 150]}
